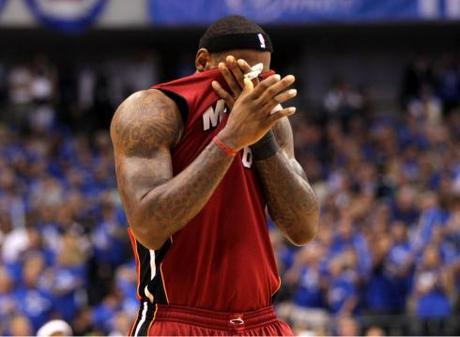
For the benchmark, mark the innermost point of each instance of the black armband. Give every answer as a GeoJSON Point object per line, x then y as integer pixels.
{"type": "Point", "coordinates": [266, 147]}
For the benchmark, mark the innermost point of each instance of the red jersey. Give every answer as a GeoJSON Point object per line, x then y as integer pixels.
{"type": "Point", "coordinates": [222, 259]}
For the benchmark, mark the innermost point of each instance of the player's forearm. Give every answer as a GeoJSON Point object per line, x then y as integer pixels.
{"type": "Point", "coordinates": [292, 203]}
{"type": "Point", "coordinates": [168, 207]}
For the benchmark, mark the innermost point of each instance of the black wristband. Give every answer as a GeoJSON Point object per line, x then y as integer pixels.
{"type": "Point", "coordinates": [266, 147]}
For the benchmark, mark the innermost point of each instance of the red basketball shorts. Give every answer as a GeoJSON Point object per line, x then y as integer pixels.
{"type": "Point", "coordinates": [170, 320]}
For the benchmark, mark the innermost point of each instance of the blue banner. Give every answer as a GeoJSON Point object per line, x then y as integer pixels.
{"type": "Point", "coordinates": [180, 12]}
{"type": "Point", "coordinates": [67, 15]}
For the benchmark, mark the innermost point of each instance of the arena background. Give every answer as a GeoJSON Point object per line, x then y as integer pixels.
{"type": "Point", "coordinates": [377, 131]}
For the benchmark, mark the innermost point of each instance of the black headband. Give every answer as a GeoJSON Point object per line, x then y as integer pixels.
{"type": "Point", "coordinates": [255, 41]}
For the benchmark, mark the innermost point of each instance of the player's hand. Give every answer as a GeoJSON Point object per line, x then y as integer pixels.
{"type": "Point", "coordinates": [233, 72]}
{"type": "Point", "coordinates": [251, 116]}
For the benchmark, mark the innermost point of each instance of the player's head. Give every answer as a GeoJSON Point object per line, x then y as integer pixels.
{"type": "Point", "coordinates": [237, 36]}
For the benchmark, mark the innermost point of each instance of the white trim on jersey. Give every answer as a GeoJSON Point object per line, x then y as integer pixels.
{"type": "Point", "coordinates": [153, 272]}
{"type": "Point", "coordinates": [143, 318]}
{"type": "Point", "coordinates": [148, 293]}
{"type": "Point", "coordinates": [153, 267]}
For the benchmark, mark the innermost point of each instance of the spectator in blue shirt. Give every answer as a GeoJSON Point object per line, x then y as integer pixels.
{"type": "Point", "coordinates": [399, 267]}
{"type": "Point", "coordinates": [31, 296]}
{"type": "Point", "coordinates": [431, 217]}
{"type": "Point", "coordinates": [109, 236]}
{"type": "Point", "coordinates": [403, 208]}
{"type": "Point", "coordinates": [67, 278]}
{"type": "Point", "coordinates": [104, 314]}
{"type": "Point", "coordinates": [377, 291]}
{"type": "Point", "coordinates": [433, 290]}
{"type": "Point", "coordinates": [307, 278]}
{"type": "Point", "coordinates": [347, 238]}
{"type": "Point", "coordinates": [342, 293]}
{"type": "Point", "coordinates": [125, 281]}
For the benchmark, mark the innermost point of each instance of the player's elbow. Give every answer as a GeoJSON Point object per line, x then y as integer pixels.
{"type": "Point", "coordinates": [150, 225]}
{"type": "Point", "coordinates": [148, 237]}
{"type": "Point", "coordinates": [148, 231]}
{"type": "Point", "coordinates": [305, 230]}
{"type": "Point", "coordinates": [302, 237]}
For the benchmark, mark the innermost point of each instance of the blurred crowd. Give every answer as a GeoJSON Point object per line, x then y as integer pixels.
{"type": "Point", "coordinates": [386, 259]}
{"type": "Point", "coordinates": [64, 252]}
{"type": "Point", "coordinates": [389, 185]}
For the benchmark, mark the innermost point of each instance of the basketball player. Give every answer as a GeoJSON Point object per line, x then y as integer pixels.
{"type": "Point", "coordinates": [195, 178]}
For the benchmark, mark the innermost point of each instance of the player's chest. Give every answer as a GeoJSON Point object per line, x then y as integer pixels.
{"type": "Point", "coordinates": [207, 122]}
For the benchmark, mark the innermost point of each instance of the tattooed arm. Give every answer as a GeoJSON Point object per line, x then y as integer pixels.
{"type": "Point", "coordinates": [144, 129]}
{"type": "Point", "coordinates": [292, 203]}
{"type": "Point", "coordinates": [157, 204]}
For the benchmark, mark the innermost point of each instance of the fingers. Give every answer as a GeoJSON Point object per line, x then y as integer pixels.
{"type": "Point", "coordinates": [272, 90]}
{"type": "Point", "coordinates": [232, 83]}
{"type": "Point", "coordinates": [285, 96]}
{"type": "Point", "coordinates": [235, 70]}
{"type": "Point", "coordinates": [244, 66]}
{"type": "Point", "coordinates": [265, 84]}
{"type": "Point", "coordinates": [277, 88]}
{"type": "Point", "coordinates": [273, 118]}
{"type": "Point", "coordinates": [222, 93]}
{"type": "Point", "coordinates": [248, 86]}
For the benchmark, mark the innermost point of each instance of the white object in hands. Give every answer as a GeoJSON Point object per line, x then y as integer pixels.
{"type": "Point", "coordinates": [276, 109]}
{"type": "Point", "coordinates": [255, 71]}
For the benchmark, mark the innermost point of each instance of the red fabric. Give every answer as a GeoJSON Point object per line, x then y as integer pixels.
{"type": "Point", "coordinates": [222, 259]}
{"type": "Point", "coordinates": [181, 321]}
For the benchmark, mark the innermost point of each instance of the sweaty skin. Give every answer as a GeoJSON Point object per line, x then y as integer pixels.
{"type": "Point", "coordinates": [144, 129]}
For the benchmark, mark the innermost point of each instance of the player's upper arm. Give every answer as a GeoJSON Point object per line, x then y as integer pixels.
{"type": "Point", "coordinates": [144, 128]}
